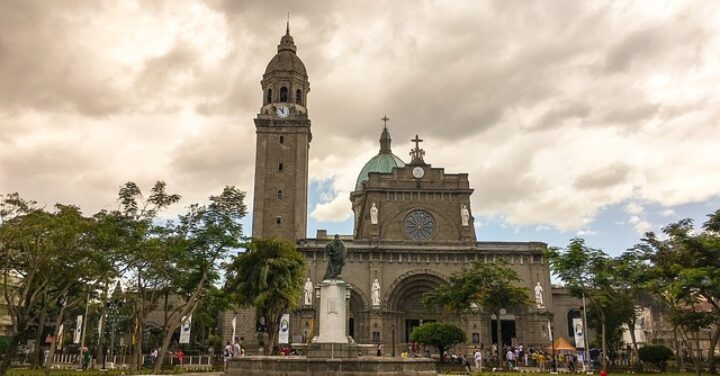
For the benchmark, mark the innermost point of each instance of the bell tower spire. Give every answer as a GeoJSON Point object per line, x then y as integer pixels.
{"type": "Point", "coordinates": [283, 147]}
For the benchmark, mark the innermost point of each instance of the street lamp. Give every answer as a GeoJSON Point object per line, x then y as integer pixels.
{"type": "Point", "coordinates": [476, 310]}
{"type": "Point", "coordinates": [393, 340]}
{"type": "Point", "coordinates": [113, 306]}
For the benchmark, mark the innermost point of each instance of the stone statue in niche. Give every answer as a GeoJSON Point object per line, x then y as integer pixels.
{"type": "Point", "coordinates": [375, 294]}
{"type": "Point", "coordinates": [374, 214]}
{"type": "Point", "coordinates": [539, 296]}
{"type": "Point", "coordinates": [464, 215]}
{"type": "Point", "coordinates": [308, 292]}
{"type": "Point", "coordinates": [335, 251]}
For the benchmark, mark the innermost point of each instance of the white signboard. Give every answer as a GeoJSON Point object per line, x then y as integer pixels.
{"type": "Point", "coordinates": [78, 329]}
{"type": "Point", "coordinates": [185, 324]}
{"type": "Point", "coordinates": [284, 330]}
{"type": "Point", "coordinates": [579, 331]}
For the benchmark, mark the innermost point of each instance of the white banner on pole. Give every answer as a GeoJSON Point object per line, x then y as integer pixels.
{"type": "Point", "coordinates": [185, 324]}
{"type": "Point", "coordinates": [59, 339]}
{"type": "Point", "coordinates": [579, 330]}
{"type": "Point", "coordinates": [284, 330]}
{"type": "Point", "coordinates": [234, 326]}
{"type": "Point", "coordinates": [550, 334]}
{"type": "Point", "coordinates": [78, 329]}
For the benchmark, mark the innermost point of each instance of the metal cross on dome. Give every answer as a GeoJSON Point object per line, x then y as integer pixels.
{"type": "Point", "coordinates": [417, 154]}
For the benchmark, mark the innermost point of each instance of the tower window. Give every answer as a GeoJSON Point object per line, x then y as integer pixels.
{"type": "Point", "coordinates": [269, 96]}
{"type": "Point", "coordinates": [282, 139]}
{"type": "Point", "coordinates": [283, 94]}
{"type": "Point", "coordinates": [280, 166]}
{"type": "Point", "coordinates": [280, 194]}
{"type": "Point", "coordinates": [278, 220]}
{"type": "Point", "coordinates": [298, 96]}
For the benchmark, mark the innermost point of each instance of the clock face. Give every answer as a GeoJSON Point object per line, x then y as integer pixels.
{"type": "Point", "coordinates": [418, 172]}
{"type": "Point", "coordinates": [283, 111]}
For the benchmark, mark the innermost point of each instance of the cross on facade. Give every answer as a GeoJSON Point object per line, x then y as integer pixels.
{"type": "Point", "coordinates": [385, 120]}
{"type": "Point", "coordinates": [417, 153]}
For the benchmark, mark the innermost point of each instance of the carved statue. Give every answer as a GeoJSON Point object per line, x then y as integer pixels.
{"type": "Point", "coordinates": [375, 292]}
{"type": "Point", "coordinates": [464, 215]}
{"type": "Point", "coordinates": [539, 296]}
{"type": "Point", "coordinates": [374, 214]}
{"type": "Point", "coordinates": [335, 251]}
{"type": "Point", "coordinates": [308, 292]}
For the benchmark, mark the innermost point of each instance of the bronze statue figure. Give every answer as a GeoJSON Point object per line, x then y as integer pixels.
{"type": "Point", "coordinates": [336, 258]}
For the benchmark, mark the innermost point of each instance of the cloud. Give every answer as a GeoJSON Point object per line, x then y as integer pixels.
{"type": "Point", "coordinates": [554, 110]}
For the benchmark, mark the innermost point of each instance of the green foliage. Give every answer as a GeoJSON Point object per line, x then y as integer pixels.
{"type": "Point", "coordinates": [658, 355]}
{"type": "Point", "coordinates": [442, 335]}
{"type": "Point", "coordinates": [490, 286]}
{"type": "Point", "coordinates": [268, 276]}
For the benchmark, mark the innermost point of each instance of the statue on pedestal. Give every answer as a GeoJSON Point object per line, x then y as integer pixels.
{"type": "Point", "coordinates": [374, 214]}
{"type": "Point", "coordinates": [308, 292]}
{"type": "Point", "coordinates": [539, 296]}
{"type": "Point", "coordinates": [335, 251]}
{"type": "Point", "coordinates": [375, 295]}
{"type": "Point", "coordinates": [464, 215]}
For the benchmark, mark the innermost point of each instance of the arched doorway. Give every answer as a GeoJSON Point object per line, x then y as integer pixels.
{"type": "Point", "coordinates": [357, 315]}
{"type": "Point", "coordinates": [404, 302]}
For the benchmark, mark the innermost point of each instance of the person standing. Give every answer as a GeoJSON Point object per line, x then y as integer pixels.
{"type": "Point", "coordinates": [509, 356]}
{"type": "Point", "coordinates": [228, 354]}
{"type": "Point", "coordinates": [478, 360]}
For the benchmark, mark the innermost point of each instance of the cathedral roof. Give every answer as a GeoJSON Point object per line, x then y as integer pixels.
{"type": "Point", "coordinates": [385, 161]}
{"type": "Point", "coordinates": [286, 59]}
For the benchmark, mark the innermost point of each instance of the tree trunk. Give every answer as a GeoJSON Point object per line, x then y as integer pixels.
{"type": "Point", "coordinates": [173, 321]}
{"type": "Point", "coordinates": [51, 354]}
{"type": "Point", "coordinates": [603, 337]}
{"type": "Point", "coordinates": [631, 329]}
{"type": "Point", "coordinates": [498, 331]}
{"type": "Point", "coordinates": [139, 331]}
{"type": "Point", "coordinates": [698, 357]}
{"type": "Point", "coordinates": [11, 352]}
{"type": "Point", "coordinates": [678, 349]}
{"type": "Point", "coordinates": [713, 344]}
{"type": "Point", "coordinates": [37, 353]}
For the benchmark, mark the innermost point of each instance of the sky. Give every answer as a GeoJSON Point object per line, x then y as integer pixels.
{"type": "Point", "coordinates": [591, 119]}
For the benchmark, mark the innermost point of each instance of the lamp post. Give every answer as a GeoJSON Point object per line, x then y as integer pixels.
{"type": "Point", "coordinates": [113, 305]}
{"type": "Point", "coordinates": [476, 310]}
{"type": "Point", "coordinates": [393, 340]}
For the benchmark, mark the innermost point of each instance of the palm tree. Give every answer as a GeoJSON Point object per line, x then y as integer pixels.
{"type": "Point", "coordinates": [269, 277]}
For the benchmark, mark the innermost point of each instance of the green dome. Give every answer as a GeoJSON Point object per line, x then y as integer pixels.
{"type": "Point", "coordinates": [385, 161]}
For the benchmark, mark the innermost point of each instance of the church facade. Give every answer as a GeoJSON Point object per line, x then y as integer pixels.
{"type": "Point", "coordinates": [413, 227]}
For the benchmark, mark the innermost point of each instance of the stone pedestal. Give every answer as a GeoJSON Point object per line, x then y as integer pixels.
{"type": "Point", "coordinates": [332, 313]}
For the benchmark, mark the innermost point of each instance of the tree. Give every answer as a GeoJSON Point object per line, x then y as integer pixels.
{"type": "Point", "coordinates": [442, 335]}
{"type": "Point", "coordinates": [658, 355]}
{"type": "Point", "coordinates": [586, 272]}
{"type": "Point", "coordinates": [268, 276]}
{"type": "Point", "coordinates": [491, 286]}
{"type": "Point", "coordinates": [202, 238]}
{"type": "Point", "coordinates": [684, 274]}
{"type": "Point", "coordinates": [140, 243]}
{"type": "Point", "coordinates": [24, 262]}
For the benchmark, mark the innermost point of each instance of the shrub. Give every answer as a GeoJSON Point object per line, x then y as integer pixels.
{"type": "Point", "coordinates": [442, 335]}
{"type": "Point", "coordinates": [658, 355]}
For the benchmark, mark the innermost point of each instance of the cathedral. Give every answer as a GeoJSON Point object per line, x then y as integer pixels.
{"type": "Point", "coordinates": [413, 227]}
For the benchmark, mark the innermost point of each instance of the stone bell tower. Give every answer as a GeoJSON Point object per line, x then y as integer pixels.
{"type": "Point", "coordinates": [283, 143]}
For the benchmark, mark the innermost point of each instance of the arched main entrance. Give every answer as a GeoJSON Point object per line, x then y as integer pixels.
{"type": "Point", "coordinates": [404, 302]}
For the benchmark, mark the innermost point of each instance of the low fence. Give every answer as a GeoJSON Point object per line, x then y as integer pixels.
{"type": "Point", "coordinates": [122, 361]}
